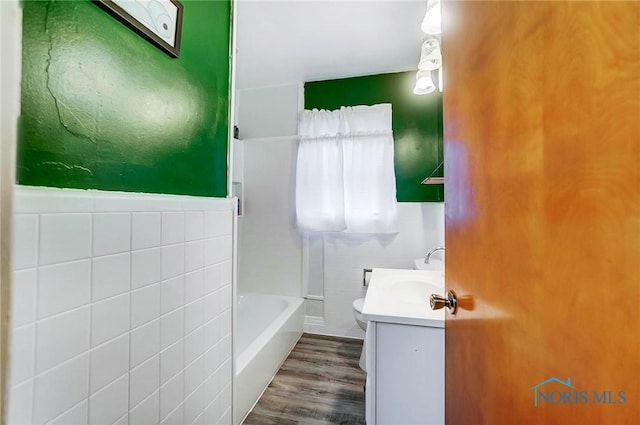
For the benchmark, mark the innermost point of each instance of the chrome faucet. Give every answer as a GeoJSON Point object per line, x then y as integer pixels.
{"type": "Point", "coordinates": [427, 258]}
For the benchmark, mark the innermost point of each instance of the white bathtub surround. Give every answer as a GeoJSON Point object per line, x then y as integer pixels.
{"type": "Point", "coordinates": [121, 308]}
{"type": "Point", "coordinates": [270, 247]}
{"type": "Point", "coordinates": [267, 330]}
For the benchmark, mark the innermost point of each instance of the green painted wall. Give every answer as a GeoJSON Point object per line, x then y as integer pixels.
{"type": "Point", "coordinates": [102, 108]}
{"type": "Point", "coordinates": [417, 124]}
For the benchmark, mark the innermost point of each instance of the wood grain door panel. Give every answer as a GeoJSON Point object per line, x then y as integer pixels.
{"type": "Point", "coordinates": [542, 166]}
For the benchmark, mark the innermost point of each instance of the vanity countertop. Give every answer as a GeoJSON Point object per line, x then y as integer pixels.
{"type": "Point", "coordinates": [402, 297]}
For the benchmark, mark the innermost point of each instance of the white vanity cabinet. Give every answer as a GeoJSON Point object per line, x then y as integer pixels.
{"type": "Point", "coordinates": [405, 380]}
{"type": "Point", "coordinates": [405, 349]}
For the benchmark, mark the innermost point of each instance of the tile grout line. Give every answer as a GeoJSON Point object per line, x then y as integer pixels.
{"type": "Point", "coordinates": [89, 353]}
{"type": "Point", "coordinates": [128, 373]}
{"type": "Point", "coordinates": [35, 318]}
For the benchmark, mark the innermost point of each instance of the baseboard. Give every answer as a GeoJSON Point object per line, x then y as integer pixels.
{"type": "Point", "coordinates": [313, 321]}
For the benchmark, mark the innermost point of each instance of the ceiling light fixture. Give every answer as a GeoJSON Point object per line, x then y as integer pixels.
{"type": "Point", "coordinates": [430, 55]}
{"type": "Point", "coordinates": [430, 60]}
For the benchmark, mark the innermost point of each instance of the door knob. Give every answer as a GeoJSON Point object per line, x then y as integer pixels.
{"type": "Point", "coordinates": [449, 300]}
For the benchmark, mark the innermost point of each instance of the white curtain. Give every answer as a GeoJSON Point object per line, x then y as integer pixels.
{"type": "Point", "coordinates": [345, 181]}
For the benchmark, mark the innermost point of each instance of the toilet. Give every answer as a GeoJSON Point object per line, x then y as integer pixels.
{"type": "Point", "coordinates": [357, 314]}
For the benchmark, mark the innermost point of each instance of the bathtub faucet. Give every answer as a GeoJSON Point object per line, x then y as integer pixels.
{"type": "Point", "coordinates": [427, 258]}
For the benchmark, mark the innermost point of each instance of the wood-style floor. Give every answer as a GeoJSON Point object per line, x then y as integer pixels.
{"type": "Point", "coordinates": [320, 383]}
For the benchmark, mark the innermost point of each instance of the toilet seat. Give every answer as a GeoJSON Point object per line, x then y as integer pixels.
{"type": "Point", "coordinates": [358, 305]}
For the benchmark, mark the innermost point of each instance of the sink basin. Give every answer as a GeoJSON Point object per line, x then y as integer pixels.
{"type": "Point", "coordinates": [412, 291]}
{"type": "Point", "coordinates": [402, 296]}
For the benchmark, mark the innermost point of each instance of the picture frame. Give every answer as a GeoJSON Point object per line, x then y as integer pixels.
{"type": "Point", "coordinates": [158, 21]}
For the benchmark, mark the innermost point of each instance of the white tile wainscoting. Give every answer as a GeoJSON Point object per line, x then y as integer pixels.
{"type": "Point", "coordinates": [121, 308]}
{"type": "Point", "coordinates": [342, 258]}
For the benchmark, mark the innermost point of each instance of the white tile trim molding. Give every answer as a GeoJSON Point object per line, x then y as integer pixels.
{"type": "Point", "coordinates": [42, 200]}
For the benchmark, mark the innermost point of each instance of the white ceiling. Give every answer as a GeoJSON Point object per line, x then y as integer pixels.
{"type": "Point", "coordinates": [282, 42]}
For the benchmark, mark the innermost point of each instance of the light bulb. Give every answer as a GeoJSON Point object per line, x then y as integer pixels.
{"type": "Point", "coordinates": [430, 55]}
{"type": "Point", "coordinates": [432, 22]}
{"type": "Point", "coordinates": [424, 83]}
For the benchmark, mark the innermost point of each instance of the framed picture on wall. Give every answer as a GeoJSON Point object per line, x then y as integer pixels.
{"type": "Point", "coordinates": [159, 21]}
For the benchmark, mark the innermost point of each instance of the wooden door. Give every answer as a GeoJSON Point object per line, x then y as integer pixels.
{"type": "Point", "coordinates": [542, 166]}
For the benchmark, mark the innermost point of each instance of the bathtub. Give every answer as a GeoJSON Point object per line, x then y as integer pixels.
{"type": "Point", "coordinates": [267, 328]}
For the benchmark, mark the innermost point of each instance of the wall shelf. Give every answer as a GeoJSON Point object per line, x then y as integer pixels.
{"type": "Point", "coordinates": [434, 180]}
